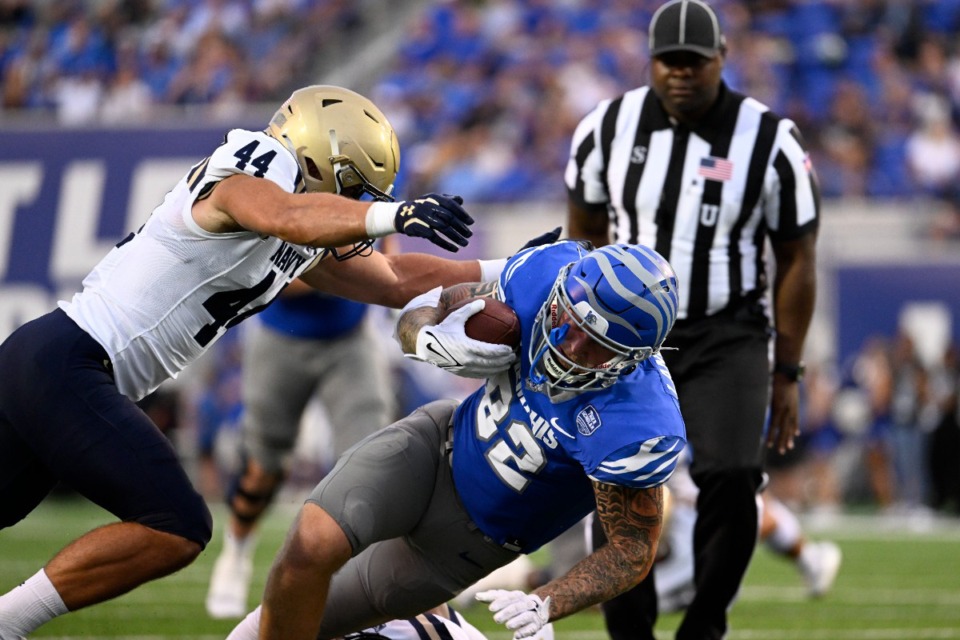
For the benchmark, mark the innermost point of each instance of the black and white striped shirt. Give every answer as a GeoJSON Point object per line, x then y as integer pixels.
{"type": "Point", "coordinates": [703, 198]}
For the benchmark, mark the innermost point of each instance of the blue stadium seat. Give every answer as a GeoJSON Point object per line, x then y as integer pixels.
{"type": "Point", "coordinates": [889, 176]}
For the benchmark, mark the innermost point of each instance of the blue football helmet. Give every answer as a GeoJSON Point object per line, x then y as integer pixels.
{"type": "Point", "coordinates": [623, 296]}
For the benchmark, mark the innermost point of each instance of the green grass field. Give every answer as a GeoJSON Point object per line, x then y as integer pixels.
{"type": "Point", "coordinates": [894, 585]}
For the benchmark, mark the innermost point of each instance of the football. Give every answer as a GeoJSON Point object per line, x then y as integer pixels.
{"type": "Point", "coordinates": [497, 323]}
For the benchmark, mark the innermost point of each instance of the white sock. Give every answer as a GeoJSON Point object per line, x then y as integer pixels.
{"type": "Point", "coordinates": [25, 608]}
{"type": "Point", "coordinates": [787, 531]}
{"type": "Point", "coordinates": [240, 546]}
{"type": "Point", "coordinates": [248, 628]}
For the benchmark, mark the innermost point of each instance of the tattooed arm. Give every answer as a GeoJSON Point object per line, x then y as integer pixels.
{"type": "Point", "coordinates": [631, 520]}
{"type": "Point", "coordinates": [412, 320]}
{"type": "Point", "coordinates": [426, 332]}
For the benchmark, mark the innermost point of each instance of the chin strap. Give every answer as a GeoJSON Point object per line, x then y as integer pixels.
{"type": "Point", "coordinates": [556, 336]}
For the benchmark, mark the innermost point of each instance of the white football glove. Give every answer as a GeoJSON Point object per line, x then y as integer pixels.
{"type": "Point", "coordinates": [447, 346]}
{"type": "Point", "coordinates": [524, 614]}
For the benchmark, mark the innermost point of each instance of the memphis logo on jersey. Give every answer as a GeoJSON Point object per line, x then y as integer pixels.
{"type": "Point", "coordinates": [588, 420]}
{"type": "Point", "coordinates": [713, 168]}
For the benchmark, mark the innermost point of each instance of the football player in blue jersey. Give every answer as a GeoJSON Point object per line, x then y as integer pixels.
{"type": "Point", "coordinates": [265, 208]}
{"type": "Point", "coordinates": [587, 417]}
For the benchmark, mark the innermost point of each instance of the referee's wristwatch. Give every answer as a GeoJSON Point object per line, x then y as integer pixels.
{"type": "Point", "coordinates": [792, 372]}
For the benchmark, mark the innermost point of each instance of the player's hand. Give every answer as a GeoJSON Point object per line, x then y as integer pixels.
{"type": "Point", "coordinates": [524, 614]}
{"type": "Point", "coordinates": [441, 219]}
{"type": "Point", "coordinates": [545, 238]}
{"type": "Point", "coordinates": [447, 346]}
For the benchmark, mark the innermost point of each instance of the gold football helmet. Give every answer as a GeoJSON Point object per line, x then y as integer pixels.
{"type": "Point", "coordinates": [343, 142]}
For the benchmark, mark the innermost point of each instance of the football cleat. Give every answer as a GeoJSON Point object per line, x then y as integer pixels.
{"type": "Point", "coordinates": [230, 581]}
{"type": "Point", "coordinates": [819, 563]}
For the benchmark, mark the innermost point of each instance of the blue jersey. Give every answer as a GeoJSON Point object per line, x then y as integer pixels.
{"type": "Point", "coordinates": [313, 316]}
{"type": "Point", "coordinates": [523, 465]}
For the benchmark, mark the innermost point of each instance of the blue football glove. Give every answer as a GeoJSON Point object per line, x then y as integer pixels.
{"type": "Point", "coordinates": [434, 216]}
{"type": "Point", "coordinates": [546, 238]}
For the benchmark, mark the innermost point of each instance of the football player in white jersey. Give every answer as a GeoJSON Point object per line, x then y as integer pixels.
{"type": "Point", "coordinates": [266, 207]}
{"type": "Point", "coordinates": [586, 418]}
{"type": "Point", "coordinates": [440, 623]}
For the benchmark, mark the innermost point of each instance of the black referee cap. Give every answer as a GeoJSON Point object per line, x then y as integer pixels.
{"type": "Point", "coordinates": [685, 25]}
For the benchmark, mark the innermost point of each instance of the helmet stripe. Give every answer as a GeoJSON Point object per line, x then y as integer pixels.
{"type": "Point", "coordinates": [661, 314]}
{"type": "Point", "coordinates": [624, 297]}
{"type": "Point", "coordinates": [666, 303]}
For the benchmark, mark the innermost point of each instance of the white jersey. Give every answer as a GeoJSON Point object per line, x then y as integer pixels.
{"type": "Point", "coordinates": [429, 626]}
{"type": "Point", "coordinates": [166, 293]}
{"type": "Point", "coordinates": [426, 626]}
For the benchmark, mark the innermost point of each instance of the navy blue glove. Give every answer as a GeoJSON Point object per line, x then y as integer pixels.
{"type": "Point", "coordinates": [546, 238]}
{"type": "Point", "coordinates": [434, 216]}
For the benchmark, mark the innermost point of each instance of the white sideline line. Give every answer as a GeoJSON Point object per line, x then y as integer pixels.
{"type": "Point", "coordinates": [862, 596]}
{"type": "Point", "coordinates": [930, 526]}
{"type": "Point", "coordinates": [845, 634]}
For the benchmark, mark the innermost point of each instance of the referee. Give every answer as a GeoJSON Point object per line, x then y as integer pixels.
{"type": "Point", "coordinates": [705, 176]}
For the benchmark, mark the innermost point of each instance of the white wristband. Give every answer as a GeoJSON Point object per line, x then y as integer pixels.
{"type": "Point", "coordinates": [490, 270]}
{"type": "Point", "coordinates": [380, 217]}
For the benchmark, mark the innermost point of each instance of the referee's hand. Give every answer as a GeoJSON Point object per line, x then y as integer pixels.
{"type": "Point", "coordinates": [784, 414]}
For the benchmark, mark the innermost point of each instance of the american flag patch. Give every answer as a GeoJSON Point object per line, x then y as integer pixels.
{"type": "Point", "coordinates": [713, 168]}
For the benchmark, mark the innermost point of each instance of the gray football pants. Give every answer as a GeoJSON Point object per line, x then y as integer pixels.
{"type": "Point", "coordinates": [281, 374]}
{"type": "Point", "coordinates": [414, 545]}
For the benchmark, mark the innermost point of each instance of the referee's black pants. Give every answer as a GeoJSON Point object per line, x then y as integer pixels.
{"type": "Point", "coordinates": [721, 371]}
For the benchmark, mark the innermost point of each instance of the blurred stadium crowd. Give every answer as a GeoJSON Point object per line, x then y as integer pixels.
{"type": "Point", "coordinates": [485, 94]}
{"type": "Point", "coordinates": [882, 429]}
{"type": "Point", "coordinates": [114, 61]}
